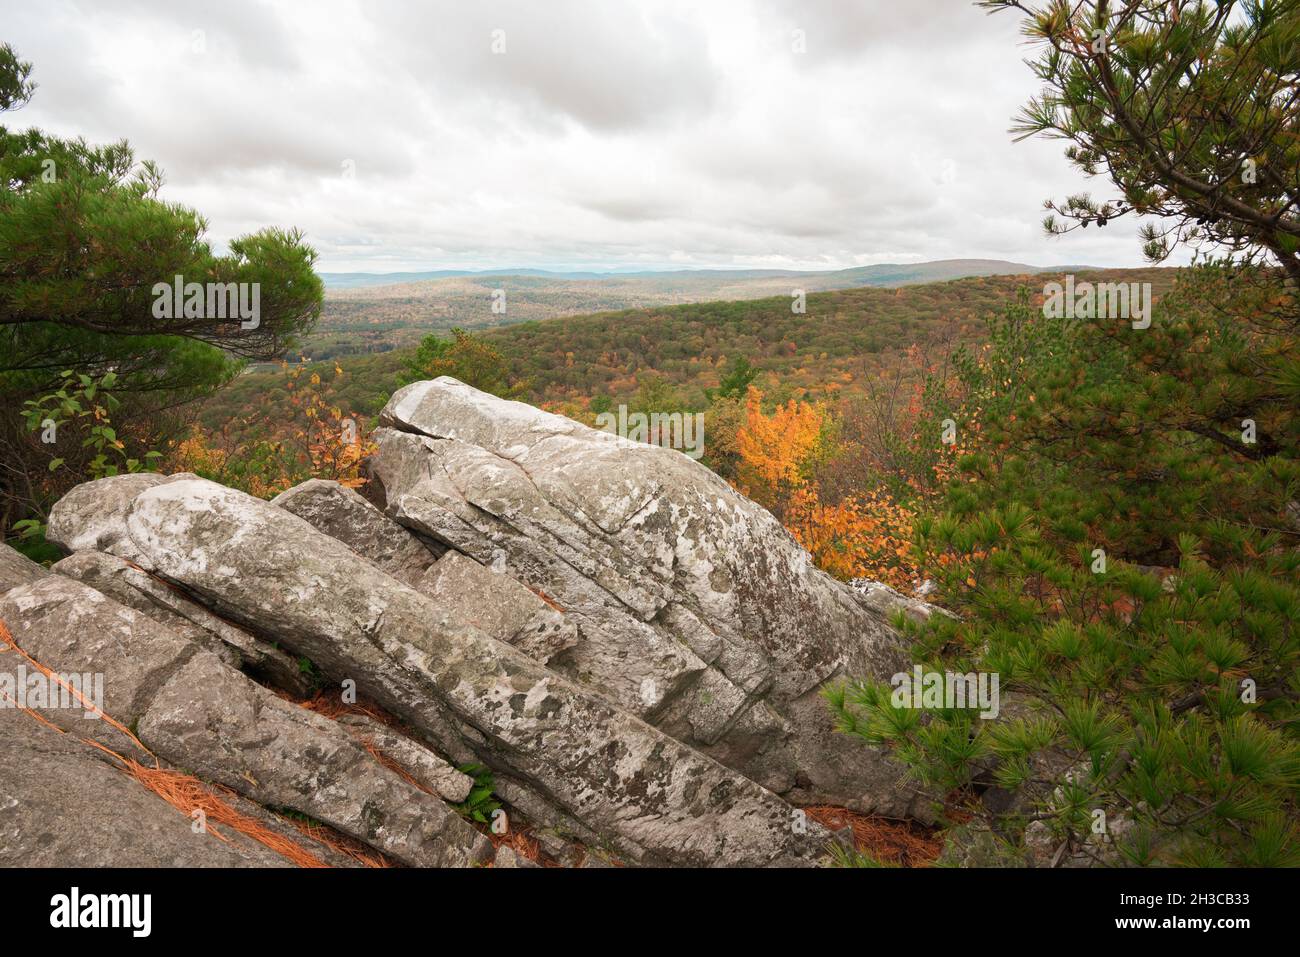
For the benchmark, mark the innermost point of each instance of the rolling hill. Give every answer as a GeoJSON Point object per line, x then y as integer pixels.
{"type": "Point", "coordinates": [369, 312]}
{"type": "Point", "coordinates": [845, 337]}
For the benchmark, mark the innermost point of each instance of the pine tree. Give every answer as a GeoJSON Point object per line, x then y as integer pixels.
{"type": "Point", "coordinates": [84, 241]}
{"type": "Point", "coordinates": [1188, 107]}
{"type": "Point", "coordinates": [1120, 540]}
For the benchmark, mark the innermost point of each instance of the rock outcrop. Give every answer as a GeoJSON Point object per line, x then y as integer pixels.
{"type": "Point", "coordinates": [102, 816]}
{"type": "Point", "coordinates": [17, 569]}
{"type": "Point", "coordinates": [616, 776]}
{"type": "Point", "coordinates": [127, 584]}
{"type": "Point", "coordinates": [634, 650]}
{"type": "Point", "coordinates": [226, 729]}
{"type": "Point", "coordinates": [191, 709]}
{"type": "Point", "coordinates": [695, 609]}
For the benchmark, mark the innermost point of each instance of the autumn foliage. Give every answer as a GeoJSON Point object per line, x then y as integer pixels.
{"type": "Point", "coordinates": [317, 441]}
{"type": "Point", "coordinates": [866, 535]}
{"type": "Point", "coordinates": [777, 451]}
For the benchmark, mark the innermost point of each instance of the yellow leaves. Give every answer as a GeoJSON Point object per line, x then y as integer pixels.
{"type": "Point", "coordinates": [774, 449]}
{"type": "Point", "coordinates": [195, 454]}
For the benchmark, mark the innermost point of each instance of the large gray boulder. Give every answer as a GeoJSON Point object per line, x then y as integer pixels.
{"type": "Point", "coordinates": [89, 517]}
{"type": "Point", "coordinates": [499, 605]}
{"type": "Point", "coordinates": [117, 658]}
{"type": "Point", "coordinates": [424, 767]}
{"type": "Point", "coordinates": [493, 602]}
{"type": "Point", "coordinates": [184, 706]}
{"type": "Point", "coordinates": [341, 513]}
{"type": "Point", "coordinates": [696, 610]}
{"type": "Point", "coordinates": [626, 784]}
{"type": "Point", "coordinates": [214, 721]}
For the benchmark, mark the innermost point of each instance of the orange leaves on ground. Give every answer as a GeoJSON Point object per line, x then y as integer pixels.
{"type": "Point", "coordinates": [182, 791]}
{"type": "Point", "coordinates": [902, 843]}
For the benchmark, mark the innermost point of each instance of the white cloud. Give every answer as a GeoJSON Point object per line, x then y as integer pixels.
{"type": "Point", "coordinates": [639, 133]}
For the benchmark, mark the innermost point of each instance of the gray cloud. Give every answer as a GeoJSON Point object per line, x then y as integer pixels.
{"type": "Point", "coordinates": [643, 133]}
{"type": "Point", "coordinates": [607, 66]}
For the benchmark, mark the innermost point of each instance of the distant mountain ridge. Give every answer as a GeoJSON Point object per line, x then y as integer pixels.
{"type": "Point", "coordinates": [360, 318]}
{"type": "Point", "coordinates": [835, 348]}
{"type": "Point", "coordinates": [877, 274]}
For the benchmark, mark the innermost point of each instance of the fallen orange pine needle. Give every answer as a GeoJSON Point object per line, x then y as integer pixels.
{"type": "Point", "coordinates": [893, 842]}
{"type": "Point", "coordinates": [185, 792]}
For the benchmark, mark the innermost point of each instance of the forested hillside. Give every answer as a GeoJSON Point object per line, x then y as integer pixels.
{"type": "Point", "coordinates": [843, 339]}
{"type": "Point", "coordinates": [366, 314]}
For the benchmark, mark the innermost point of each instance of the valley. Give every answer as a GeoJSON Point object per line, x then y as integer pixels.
{"type": "Point", "coordinates": [374, 312]}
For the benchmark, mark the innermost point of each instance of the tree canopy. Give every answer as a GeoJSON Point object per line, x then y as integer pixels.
{"type": "Point", "coordinates": [1190, 108]}
{"type": "Point", "coordinates": [1119, 533]}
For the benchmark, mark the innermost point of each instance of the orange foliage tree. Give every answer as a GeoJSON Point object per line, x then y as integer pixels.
{"type": "Point", "coordinates": [778, 451]}
{"type": "Point", "coordinates": [862, 536]}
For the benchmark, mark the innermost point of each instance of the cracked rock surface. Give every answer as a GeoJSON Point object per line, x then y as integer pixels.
{"type": "Point", "coordinates": [695, 609]}
{"type": "Point", "coordinates": [634, 650]}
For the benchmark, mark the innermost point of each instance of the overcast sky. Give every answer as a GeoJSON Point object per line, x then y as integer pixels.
{"type": "Point", "coordinates": [607, 134]}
